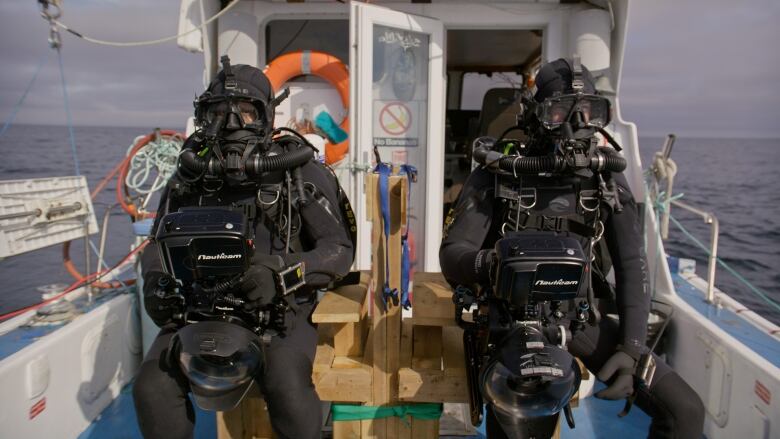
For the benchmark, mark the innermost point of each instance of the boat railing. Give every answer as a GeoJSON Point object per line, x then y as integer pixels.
{"type": "Point", "coordinates": [712, 262]}
{"type": "Point", "coordinates": [664, 170]}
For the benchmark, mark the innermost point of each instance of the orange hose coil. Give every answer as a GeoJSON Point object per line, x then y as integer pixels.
{"type": "Point", "coordinates": [327, 67]}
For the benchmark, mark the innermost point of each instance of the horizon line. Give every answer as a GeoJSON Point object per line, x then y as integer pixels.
{"type": "Point", "coordinates": [639, 133]}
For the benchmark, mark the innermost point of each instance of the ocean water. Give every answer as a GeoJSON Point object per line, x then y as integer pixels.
{"type": "Point", "coordinates": [735, 178]}
{"type": "Point", "coordinates": [29, 151]}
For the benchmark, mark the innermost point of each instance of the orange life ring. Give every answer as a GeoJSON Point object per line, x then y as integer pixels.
{"type": "Point", "coordinates": [327, 67]}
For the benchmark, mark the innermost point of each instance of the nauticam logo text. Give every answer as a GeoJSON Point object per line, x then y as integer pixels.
{"type": "Point", "coordinates": [217, 257]}
{"type": "Point", "coordinates": [559, 282]}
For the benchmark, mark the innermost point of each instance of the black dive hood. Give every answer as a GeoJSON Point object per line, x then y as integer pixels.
{"type": "Point", "coordinates": [557, 77]}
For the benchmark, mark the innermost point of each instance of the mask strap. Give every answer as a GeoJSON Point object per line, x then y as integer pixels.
{"type": "Point", "coordinates": [278, 100]}
{"type": "Point", "coordinates": [230, 79]}
{"type": "Point", "coordinates": [250, 148]}
{"type": "Point", "coordinates": [577, 84]}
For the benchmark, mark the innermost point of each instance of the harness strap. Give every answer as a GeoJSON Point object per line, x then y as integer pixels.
{"type": "Point", "coordinates": [411, 175]}
{"type": "Point", "coordinates": [554, 224]}
{"type": "Point", "coordinates": [384, 170]}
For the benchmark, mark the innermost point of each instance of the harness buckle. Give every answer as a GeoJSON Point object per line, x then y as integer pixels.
{"type": "Point", "coordinates": [391, 294]}
{"type": "Point", "coordinates": [552, 223]}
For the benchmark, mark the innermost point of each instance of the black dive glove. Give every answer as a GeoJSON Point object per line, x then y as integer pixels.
{"type": "Point", "coordinates": [160, 300]}
{"type": "Point", "coordinates": [620, 370]}
{"type": "Point", "coordinates": [259, 282]}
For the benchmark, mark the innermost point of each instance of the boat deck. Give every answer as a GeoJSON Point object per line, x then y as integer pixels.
{"type": "Point", "coordinates": [594, 418]}
{"type": "Point", "coordinates": [762, 343]}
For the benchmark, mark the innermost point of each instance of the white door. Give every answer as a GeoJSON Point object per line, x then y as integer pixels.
{"type": "Point", "coordinates": [397, 103]}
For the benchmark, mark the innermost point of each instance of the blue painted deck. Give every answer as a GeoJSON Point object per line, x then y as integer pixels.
{"type": "Point", "coordinates": [118, 421]}
{"type": "Point", "coordinates": [594, 418]}
{"type": "Point", "coordinates": [757, 340]}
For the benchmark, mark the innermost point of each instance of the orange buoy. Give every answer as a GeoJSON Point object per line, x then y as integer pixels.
{"type": "Point", "coordinates": [325, 66]}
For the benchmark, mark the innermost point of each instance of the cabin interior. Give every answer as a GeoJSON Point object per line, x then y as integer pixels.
{"type": "Point", "coordinates": [483, 86]}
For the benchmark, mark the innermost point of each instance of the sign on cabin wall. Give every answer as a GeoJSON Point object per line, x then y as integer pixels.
{"type": "Point", "coordinates": [396, 123]}
{"type": "Point", "coordinates": [400, 90]}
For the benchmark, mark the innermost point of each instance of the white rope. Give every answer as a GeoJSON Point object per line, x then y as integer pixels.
{"type": "Point", "coordinates": [147, 42]}
{"type": "Point", "coordinates": [160, 155]}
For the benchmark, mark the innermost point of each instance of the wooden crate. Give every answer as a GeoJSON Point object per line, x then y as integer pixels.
{"type": "Point", "coordinates": [433, 364]}
{"type": "Point", "coordinates": [339, 373]}
{"type": "Point", "coordinates": [362, 356]}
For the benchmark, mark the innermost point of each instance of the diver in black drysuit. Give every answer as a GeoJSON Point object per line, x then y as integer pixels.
{"type": "Point", "coordinates": [163, 407]}
{"type": "Point", "coordinates": [607, 349]}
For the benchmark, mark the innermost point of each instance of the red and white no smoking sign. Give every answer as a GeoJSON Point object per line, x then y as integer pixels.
{"type": "Point", "coordinates": [394, 123]}
{"type": "Point", "coordinates": [395, 118]}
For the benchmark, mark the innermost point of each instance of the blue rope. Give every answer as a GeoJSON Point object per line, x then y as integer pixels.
{"type": "Point", "coordinates": [18, 106]}
{"type": "Point", "coordinates": [723, 264]}
{"type": "Point", "coordinates": [67, 114]}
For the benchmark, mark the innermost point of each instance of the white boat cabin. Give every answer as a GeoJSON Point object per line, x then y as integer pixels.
{"type": "Point", "coordinates": [419, 76]}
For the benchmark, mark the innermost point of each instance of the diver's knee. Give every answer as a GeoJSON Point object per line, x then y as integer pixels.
{"type": "Point", "coordinates": [691, 409]}
{"type": "Point", "coordinates": [147, 384]}
{"type": "Point", "coordinates": [162, 408]}
{"type": "Point", "coordinates": [286, 369]}
{"type": "Point", "coordinates": [681, 405]}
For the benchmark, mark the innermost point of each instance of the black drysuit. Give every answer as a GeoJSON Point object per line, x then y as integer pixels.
{"type": "Point", "coordinates": [160, 390]}
{"type": "Point", "coordinates": [474, 224]}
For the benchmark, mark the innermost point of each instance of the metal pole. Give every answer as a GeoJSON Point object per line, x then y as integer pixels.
{"type": "Point", "coordinates": [103, 234]}
{"type": "Point", "coordinates": [712, 263]}
{"type": "Point", "coordinates": [86, 258]}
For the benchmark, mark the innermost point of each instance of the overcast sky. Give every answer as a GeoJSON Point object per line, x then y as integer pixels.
{"type": "Point", "coordinates": [694, 67]}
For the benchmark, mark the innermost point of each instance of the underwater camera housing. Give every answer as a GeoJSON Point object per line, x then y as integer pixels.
{"type": "Point", "coordinates": [515, 352]}
{"type": "Point", "coordinates": [538, 267]}
{"type": "Point", "coordinates": [203, 244]}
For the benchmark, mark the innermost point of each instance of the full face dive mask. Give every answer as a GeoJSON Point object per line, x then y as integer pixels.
{"type": "Point", "coordinates": [580, 110]}
{"type": "Point", "coordinates": [239, 98]}
{"type": "Point", "coordinates": [235, 115]}
{"type": "Point", "coordinates": [567, 109]}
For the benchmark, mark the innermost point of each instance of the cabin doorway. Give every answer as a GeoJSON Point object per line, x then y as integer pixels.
{"type": "Point", "coordinates": [487, 72]}
{"type": "Point", "coordinates": [454, 84]}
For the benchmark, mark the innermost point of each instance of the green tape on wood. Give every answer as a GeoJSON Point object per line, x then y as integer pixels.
{"type": "Point", "coordinates": [348, 412]}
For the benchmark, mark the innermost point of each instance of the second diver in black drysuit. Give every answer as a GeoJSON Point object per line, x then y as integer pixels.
{"type": "Point", "coordinates": [608, 349]}
{"type": "Point", "coordinates": [317, 237]}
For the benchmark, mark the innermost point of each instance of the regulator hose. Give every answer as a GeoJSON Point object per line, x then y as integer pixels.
{"type": "Point", "coordinates": [604, 159]}
{"type": "Point", "coordinates": [256, 164]}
